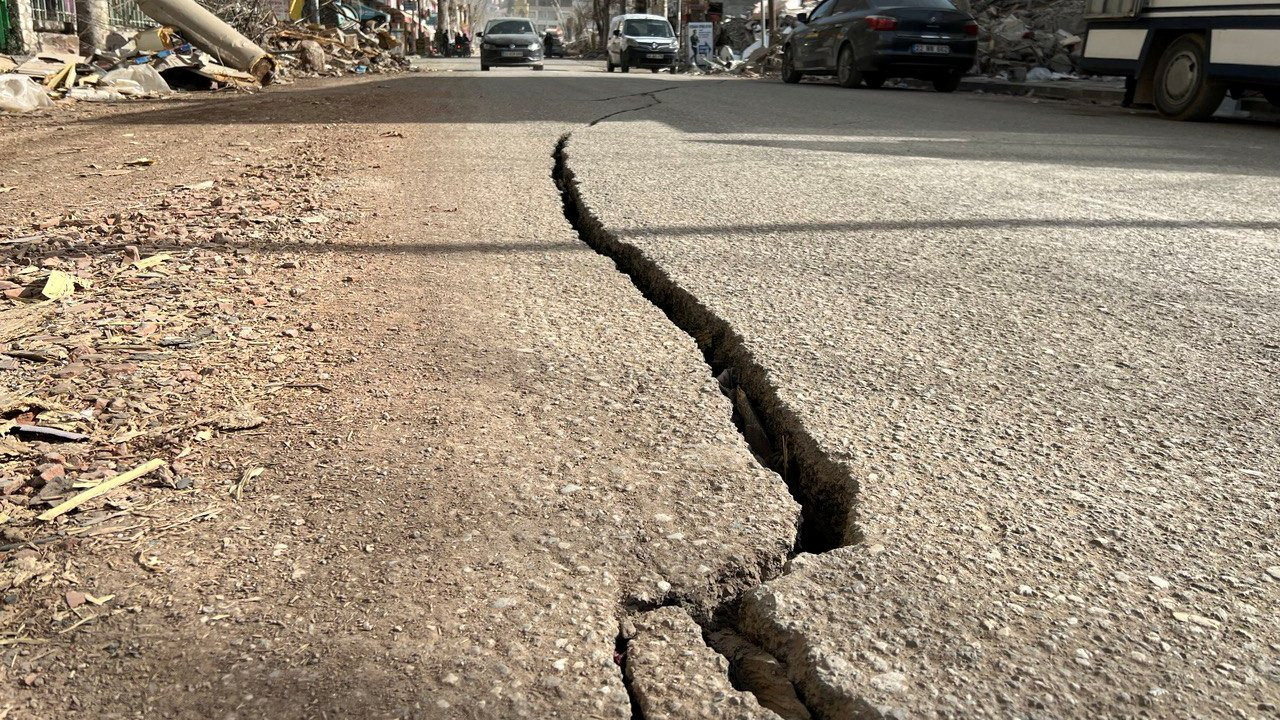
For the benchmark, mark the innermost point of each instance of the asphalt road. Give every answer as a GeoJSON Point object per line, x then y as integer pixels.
{"type": "Point", "coordinates": [1037, 344]}
{"type": "Point", "coordinates": [1014, 364]}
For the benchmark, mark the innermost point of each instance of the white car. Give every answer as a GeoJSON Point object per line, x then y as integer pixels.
{"type": "Point", "coordinates": [645, 41]}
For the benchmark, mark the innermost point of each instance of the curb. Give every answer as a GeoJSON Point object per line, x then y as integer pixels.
{"type": "Point", "coordinates": [1051, 91]}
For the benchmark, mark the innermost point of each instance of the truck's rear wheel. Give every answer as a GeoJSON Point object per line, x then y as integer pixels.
{"type": "Point", "coordinates": [1183, 88]}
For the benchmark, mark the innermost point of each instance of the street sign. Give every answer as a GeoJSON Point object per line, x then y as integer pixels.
{"type": "Point", "coordinates": [702, 39]}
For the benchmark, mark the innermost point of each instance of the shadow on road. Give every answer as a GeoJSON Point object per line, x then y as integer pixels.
{"type": "Point", "coordinates": [951, 224]}
{"type": "Point", "coordinates": [1004, 129]}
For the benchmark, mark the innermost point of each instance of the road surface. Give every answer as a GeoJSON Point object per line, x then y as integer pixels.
{"type": "Point", "coordinates": [661, 396]}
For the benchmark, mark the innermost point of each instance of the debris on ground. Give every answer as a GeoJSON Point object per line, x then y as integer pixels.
{"type": "Point", "coordinates": [1018, 38]}
{"type": "Point", "coordinates": [116, 327]}
{"type": "Point", "coordinates": [193, 49]}
{"type": "Point", "coordinates": [305, 50]}
{"type": "Point", "coordinates": [212, 35]}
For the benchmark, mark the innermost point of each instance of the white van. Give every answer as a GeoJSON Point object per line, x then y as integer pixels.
{"type": "Point", "coordinates": [641, 41]}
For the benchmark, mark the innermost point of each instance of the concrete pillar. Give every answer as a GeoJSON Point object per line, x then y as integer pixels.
{"type": "Point", "coordinates": [93, 20]}
{"type": "Point", "coordinates": [23, 25]}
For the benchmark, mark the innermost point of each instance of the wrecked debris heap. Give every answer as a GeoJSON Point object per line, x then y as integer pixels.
{"type": "Point", "coordinates": [194, 49]}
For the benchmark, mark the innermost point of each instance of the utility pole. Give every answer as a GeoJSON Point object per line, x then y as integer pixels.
{"type": "Point", "coordinates": [773, 22]}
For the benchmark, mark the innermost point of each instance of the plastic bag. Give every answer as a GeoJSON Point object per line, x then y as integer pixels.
{"type": "Point", "coordinates": [88, 94]}
{"type": "Point", "coordinates": [137, 80]}
{"type": "Point", "coordinates": [1039, 74]}
{"type": "Point", "coordinates": [19, 94]}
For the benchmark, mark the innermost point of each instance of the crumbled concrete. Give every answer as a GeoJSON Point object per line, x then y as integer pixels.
{"type": "Point", "coordinates": [673, 675]}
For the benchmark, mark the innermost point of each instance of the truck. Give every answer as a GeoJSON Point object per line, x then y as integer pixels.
{"type": "Point", "coordinates": [1185, 56]}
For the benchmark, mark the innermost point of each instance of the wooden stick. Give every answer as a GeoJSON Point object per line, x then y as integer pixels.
{"type": "Point", "coordinates": [101, 489]}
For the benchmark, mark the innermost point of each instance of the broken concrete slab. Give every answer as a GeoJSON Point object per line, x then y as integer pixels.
{"type": "Point", "coordinates": [209, 33]}
{"type": "Point", "coordinates": [673, 675]}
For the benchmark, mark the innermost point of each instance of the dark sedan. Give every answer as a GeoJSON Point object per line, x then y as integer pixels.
{"type": "Point", "coordinates": [869, 41]}
{"type": "Point", "coordinates": [510, 41]}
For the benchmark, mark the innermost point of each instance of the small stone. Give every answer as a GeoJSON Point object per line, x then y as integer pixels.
{"type": "Point", "coordinates": [1196, 619]}
{"type": "Point", "coordinates": [502, 603]}
{"type": "Point", "coordinates": [1159, 582]}
{"type": "Point", "coordinates": [51, 472]}
{"type": "Point", "coordinates": [894, 682]}
{"type": "Point", "coordinates": [75, 598]}
{"type": "Point", "coordinates": [1274, 571]}
{"type": "Point", "coordinates": [450, 679]}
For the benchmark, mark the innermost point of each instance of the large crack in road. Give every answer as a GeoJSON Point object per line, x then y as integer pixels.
{"type": "Point", "coordinates": [825, 492]}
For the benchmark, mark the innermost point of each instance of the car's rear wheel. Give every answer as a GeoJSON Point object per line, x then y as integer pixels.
{"type": "Point", "coordinates": [874, 80]}
{"type": "Point", "coordinates": [537, 67]}
{"type": "Point", "coordinates": [1272, 96]}
{"type": "Point", "coordinates": [847, 72]}
{"type": "Point", "coordinates": [1183, 89]}
{"type": "Point", "coordinates": [484, 67]}
{"type": "Point", "coordinates": [655, 71]}
{"type": "Point", "coordinates": [789, 73]}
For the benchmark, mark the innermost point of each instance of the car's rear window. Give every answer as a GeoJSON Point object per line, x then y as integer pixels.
{"type": "Point", "coordinates": [940, 4]}
{"type": "Point", "coordinates": [509, 27]}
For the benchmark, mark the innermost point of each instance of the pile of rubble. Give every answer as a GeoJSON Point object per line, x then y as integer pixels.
{"type": "Point", "coordinates": [307, 50]}
{"type": "Point", "coordinates": [194, 49]}
{"type": "Point", "coordinates": [1029, 41]}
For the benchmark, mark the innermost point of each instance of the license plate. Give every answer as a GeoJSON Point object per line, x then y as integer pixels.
{"type": "Point", "coordinates": [512, 53]}
{"type": "Point", "coordinates": [654, 56]}
{"type": "Point", "coordinates": [931, 49]}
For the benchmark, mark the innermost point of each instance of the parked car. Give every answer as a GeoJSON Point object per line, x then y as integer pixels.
{"type": "Point", "coordinates": [510, 41]}
{"type": "Point", "coordinates": [552, 46]}
{"type": "Point", "coordinates": [640, 41]}
{"type": "Point", "coordinates": [869, 41]}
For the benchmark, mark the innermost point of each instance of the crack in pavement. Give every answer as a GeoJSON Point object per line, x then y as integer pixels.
{"type": "Point", "coordinates": [634, 94]}
{"type": "Point", "coordinates": [824, 490]}
{"type": "Point", "coordinates": [651, 94]}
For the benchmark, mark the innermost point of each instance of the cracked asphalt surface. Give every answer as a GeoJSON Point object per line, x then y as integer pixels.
{"type": "Point", "coordinates": [1040, 341]}
{"type": "Point", "coordinates": [1036, 342]}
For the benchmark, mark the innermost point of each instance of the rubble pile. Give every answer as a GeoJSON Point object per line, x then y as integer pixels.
{"type": "Point", "coordinates": [116, 332]}
{"type": "Point", "coordinates": [1037, 40]}
{"type": "Point", "coordinates": [197, 53]}
{"type": "Point", "coordinates": [305, 50]}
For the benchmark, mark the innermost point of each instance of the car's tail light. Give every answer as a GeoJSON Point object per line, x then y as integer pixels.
{"type": "Point", "coordinates": [882, 22]}
{"type": "Point", "coordinates": [971, 28]}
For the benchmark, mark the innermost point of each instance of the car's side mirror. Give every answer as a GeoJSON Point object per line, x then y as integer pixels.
{"type": "Point", "coordinates": [479, 34]}
{"type": "Point", "coordinates": [802, 17]}
{"type": "Point", "coordinates": [617, 33]}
